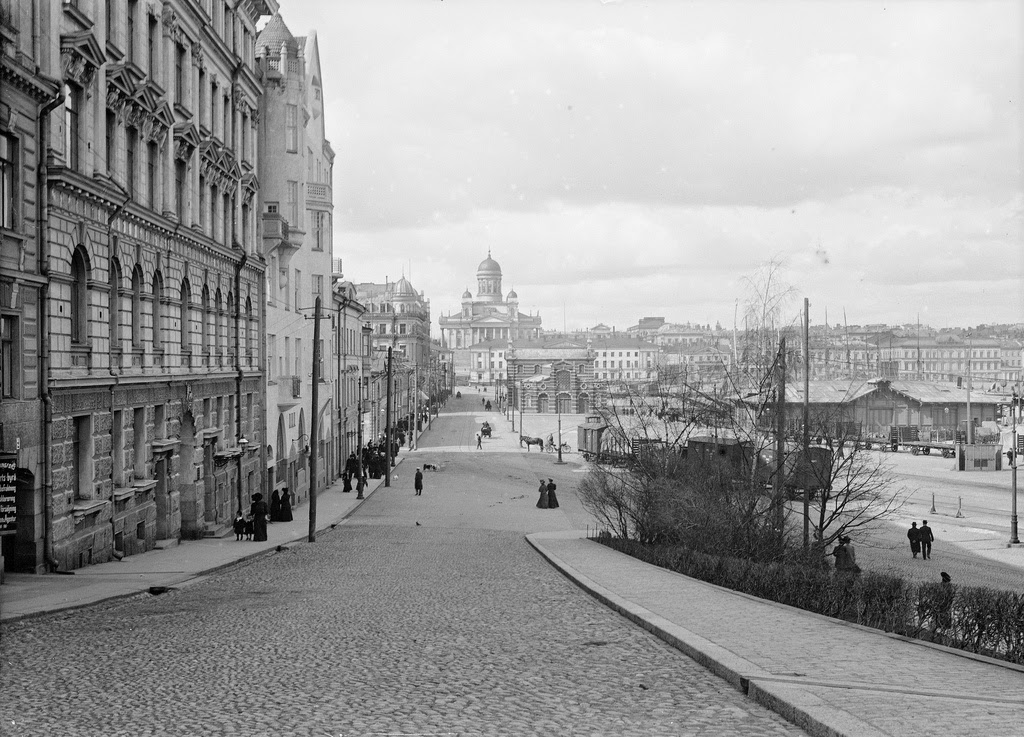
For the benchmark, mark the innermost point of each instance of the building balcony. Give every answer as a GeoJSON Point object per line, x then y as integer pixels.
{"type": "Point", "coordinates": [289, 391]}
{"type": "Point", "coordinates": [319, 195]}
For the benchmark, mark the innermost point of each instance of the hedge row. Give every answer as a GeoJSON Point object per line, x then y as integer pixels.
{"type": "Point", "coordinates": [975, 619]}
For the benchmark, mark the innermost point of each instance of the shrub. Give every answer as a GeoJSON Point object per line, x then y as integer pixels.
{"type": "Point", "coordinates": [975, 619]}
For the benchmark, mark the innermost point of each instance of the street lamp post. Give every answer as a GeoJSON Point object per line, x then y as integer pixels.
{"type": "Point", "coordinates": [558, 407]}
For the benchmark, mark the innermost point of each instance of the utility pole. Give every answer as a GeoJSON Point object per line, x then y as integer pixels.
{"type": "Point", "coordinates": [1014, 454]}
{"type": "Point", "coordinates": [314, 416]}
{"type": "Point", "coordinates": [780, 438]}
{"type": "Point", "coordinates": [387, 428]}
{"type": "Point", "coordinates": [806, 466]}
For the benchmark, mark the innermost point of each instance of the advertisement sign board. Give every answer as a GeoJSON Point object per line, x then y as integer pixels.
{"type": "Point", "coordinates": [8, 500]}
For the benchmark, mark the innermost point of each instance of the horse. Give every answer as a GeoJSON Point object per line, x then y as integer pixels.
{"type": "Point", "coordinates": [539, 442]}
{"type": "Point", "coordinates": [485, 430]}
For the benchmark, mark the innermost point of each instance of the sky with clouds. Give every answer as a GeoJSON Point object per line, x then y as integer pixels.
{"type": "Point", "coordinates": [621, 158]}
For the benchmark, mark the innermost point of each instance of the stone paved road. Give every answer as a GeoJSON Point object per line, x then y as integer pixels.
{"type": "Point", "coordinates": [454, 626]}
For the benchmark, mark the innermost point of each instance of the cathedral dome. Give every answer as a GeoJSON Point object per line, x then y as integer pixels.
{"type": "Point", "coordinates": [512, 295]}
{"type": "Point", "coordinates": [488, 267]}
{"type": "Point", "coordinates": [467, 295]}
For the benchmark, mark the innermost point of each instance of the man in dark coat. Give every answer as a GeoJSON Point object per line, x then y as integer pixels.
{"type": "Point", "coordinates": [926, 537]}
{"type": "Point", "coordinates": [418, 482]}
{"type": "Point", "coordinates": [914, 535]}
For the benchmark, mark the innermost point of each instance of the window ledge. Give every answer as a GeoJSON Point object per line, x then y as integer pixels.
{"type": "Point", "coordinates": [122, 492]}
{"type": "Point", "coordinates": [165, 445]}
{"type": "Point", "coordinates": [143, 484]}
{"type": "Point", "coordinates": [84, 507]}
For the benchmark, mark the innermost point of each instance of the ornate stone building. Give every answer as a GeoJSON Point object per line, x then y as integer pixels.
{"type": "Point", "coordinates": [548, 376]}
{"type": "Point", "coordinates": [25, 99]}
{"type": "Point", "coordinates": [484, 318]}
{"type": "Point", "coordinates": [151, 312]}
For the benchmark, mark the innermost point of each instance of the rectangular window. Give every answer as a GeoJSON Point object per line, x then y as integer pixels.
{"type": "Point", "coordinates": [152, 173]}
{"type": "Point", "coordinates": [117, 447]}
{"type": "Point", "coordinates": [81, 451]}
{"type": "Point", "coordinates": [287, 354]}
{"type": "Point", "coordinates": [293, 203]}
{"type": "Point", "coordinates": [8, 181]}
{"type": "Point", "coordinates": [72, 123]}
{"type": "Point", "coordinates": [139, 441]}
{"type": "Point", "coordinates": [108, 17]}
{"type": "Point", "coordinates": [111, 142]}
{"type": "Point", "coordinates": [133, 14]}
{"type": "Point", "coordinates": [152, 47]}
{"type": "Point", "coordinates": [179, 189]}
{"type": "Point", "coordinates": [179, 74]}
{"type": "Point", "coordinates": [271, 355]}
{"type": "Point", "coordinates": [297, 292]}
{"type": "Point", "coordinates": [401, 329]}
{"type": "Point", "coordinates": [131, 142]}
{"type": "Point", "coordinates": [160, 421]}
{"type": "Point", "coordinates": [298, 356]}
{"type": "Point", "coordinates": [291, 128]}
{"type": "Point", "coordinates": [202, 94]}
{"type": "Point", "coordinates": [8, 355]}
{"type": "Point", "coordinates": [317, 220]}
{"type": "Point", "coordinates": [318, 287]}
{"type": "Point", "coordinates": [228, 219]}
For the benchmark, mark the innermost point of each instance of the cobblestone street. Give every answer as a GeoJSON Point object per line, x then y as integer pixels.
{"type": "Point", "coordinates": [382, 626]}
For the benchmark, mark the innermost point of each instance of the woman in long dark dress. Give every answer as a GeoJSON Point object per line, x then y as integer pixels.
{"type": "Point", "coordinates": [286, 505]}
{"type": "Point", "coordinates": [542, 503]}
{"type": "Point", "coordinates": [552, 499]}
{"type": "Point", "coordinates": [259, 511]}
{"type": "Point", "coordinates": [275, 507]}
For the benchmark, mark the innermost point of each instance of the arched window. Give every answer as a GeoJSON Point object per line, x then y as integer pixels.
{"type": "Point", "coordinates": [204, 320]}
{"type": "Point", "coordinates": [137, 307]}
{"type": "Point", "coordinates": [158, 312]}
{"type": "Point", "coordinates": [114, 316]}
{"type": "Point", "coordinates": [79, 296]}
{"type": "Point", "coordinates": [185, 318]}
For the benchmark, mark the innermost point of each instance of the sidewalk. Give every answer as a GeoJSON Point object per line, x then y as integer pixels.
{"type": "Point", "coordinates": [25, 594]}
{"type": "Point", "coordinates": [824, 675]}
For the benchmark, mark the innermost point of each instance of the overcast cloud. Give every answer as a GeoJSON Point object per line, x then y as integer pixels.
{"type": "Point", "coordinates": [624, 159]}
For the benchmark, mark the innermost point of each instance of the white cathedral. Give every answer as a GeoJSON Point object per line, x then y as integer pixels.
{"type": "Point", "coordinates": [487, 317]}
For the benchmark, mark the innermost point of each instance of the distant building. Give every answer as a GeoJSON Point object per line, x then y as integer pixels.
{"type": "Point", "coordinates": [624, 359]}
{"type": "Point", "coordinates": [485, 318]}
{"type": "Point", "coordinates": [551, 376]}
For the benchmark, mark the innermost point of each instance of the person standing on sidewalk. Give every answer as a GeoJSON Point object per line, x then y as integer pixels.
{"type": "Point", "coordinates": [542, 501]}
{"type": "Point", "coordinates": [552, 499]}
{"type": "Point", "coordinates": [418, 482]}
{"type": "Point", "coordinates": [286, 505]}
{"type": "Point", "coordinates": [259, 511]}
{"type": "Point", "coordinates": [914, 535]}
{"type": "Point", "coordinates": [926, 537]}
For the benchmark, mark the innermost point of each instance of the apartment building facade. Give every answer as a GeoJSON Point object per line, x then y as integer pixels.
{"type": "Point", "coordinates": [296, 208]}
{"type": "Point", "coordinates": [151, 311]}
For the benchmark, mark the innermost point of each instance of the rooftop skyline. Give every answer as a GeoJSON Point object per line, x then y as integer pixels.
{"type": "Point", "coordinates": [622, 159]}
